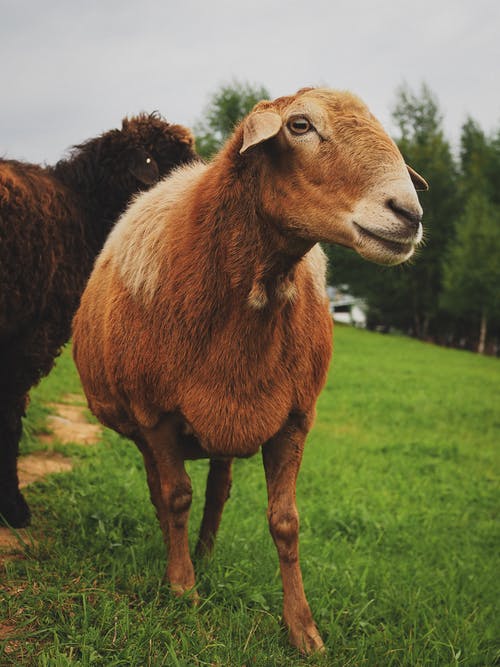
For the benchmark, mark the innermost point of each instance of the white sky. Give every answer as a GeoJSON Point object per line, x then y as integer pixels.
{"type": "Point", "coordinates": [72, 69]}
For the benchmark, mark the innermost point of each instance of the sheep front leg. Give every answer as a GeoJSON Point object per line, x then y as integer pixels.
{"type": "Point", "coordinates": [13, 507]}
{"type": "Point", "coordinates": [154, 483]}
{"type": "Point", "coordinates": [171, 492]}
{"type": "Point", "coordinates": [218, 488]}
{"type": "Point", "coordinates": [282, 456]}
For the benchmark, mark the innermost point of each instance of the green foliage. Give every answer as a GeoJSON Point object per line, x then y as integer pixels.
{"type": "Point", "coordinates": [473, 154]}
{"type": "Point", "coordinates": [480, 162]}
{"type": "Point", "coordinates": [227, 106]}
{"type": "Point", "coordinates": [398, 494]}
{"type": "Point", "coordinates": [472, 267]}
{"type": "Point", "coordinates": [417, 116]}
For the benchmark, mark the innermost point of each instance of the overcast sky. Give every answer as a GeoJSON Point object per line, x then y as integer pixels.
{"type": "Point", "coordinates": [71, 70]}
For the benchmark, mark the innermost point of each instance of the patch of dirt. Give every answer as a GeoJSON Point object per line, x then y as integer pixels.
{"type": "Point", "coordinates": [35, 466]}
{"type": "Point", "coordinates": [13, 544]}
{"type": "Point", "coordinates": [75, 399]}
{"type": "Point", "coordinates": [30, 468]}
{"type": "Point", "coordinates": [70, 424]}
{"type": "Point", "coordinates": [6, 630]}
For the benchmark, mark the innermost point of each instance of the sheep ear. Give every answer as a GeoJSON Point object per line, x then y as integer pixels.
{"type": "Point", "coordinates": [417, 180]}
{"type": "Point", "coordinates": [259, 126]}
{"type": "Point", "coordinates": [183, 134]}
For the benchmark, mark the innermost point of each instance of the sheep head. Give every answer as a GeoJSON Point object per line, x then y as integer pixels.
{"type": "Point", "coordinates": [107, 171]}
{"type": "Point", "coordinates": [153, 146]}
{"type": "Point", "coordinates": [332, 174]}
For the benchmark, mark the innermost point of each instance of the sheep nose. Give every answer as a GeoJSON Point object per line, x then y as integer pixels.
{"type": "Point", "coordinates": [411, 216]}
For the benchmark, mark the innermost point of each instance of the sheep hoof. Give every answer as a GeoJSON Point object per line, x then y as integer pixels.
{"type": "Point", "coordinates": [307, 640]}
{"type": "Point", "coordinates": [190, 594]}
{"type": "Point", "coordinates": [15, 512]}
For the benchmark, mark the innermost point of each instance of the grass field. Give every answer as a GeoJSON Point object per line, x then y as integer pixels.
{"type": "Point", "coordinates": [398, 496]}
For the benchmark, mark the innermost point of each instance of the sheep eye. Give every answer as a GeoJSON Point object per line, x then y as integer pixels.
{"type": "Point", "coordinates": [299, 125]}
{"type": "Point", "coordinates": [148, 160]}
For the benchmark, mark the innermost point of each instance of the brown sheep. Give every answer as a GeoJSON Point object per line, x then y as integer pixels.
{"type": "Point", "coordinates": [205, 331]}
{"type": "Point", "coordinates": [53, 223]}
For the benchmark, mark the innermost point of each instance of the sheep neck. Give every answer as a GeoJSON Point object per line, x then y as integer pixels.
{"type": "Point", "coordinates": [257, 258]}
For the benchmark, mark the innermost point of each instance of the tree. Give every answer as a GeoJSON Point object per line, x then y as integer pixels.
{"type": "Point", "coordinates": [418, 118]}
{"type": "Point", "coordinates": [227, 106]}
{"type": "Point", "coordinates": [472, 269]}
{"type": "Point", "coordinates": [480, 161]}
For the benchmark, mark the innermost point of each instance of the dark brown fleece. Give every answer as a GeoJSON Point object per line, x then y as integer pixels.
{"type": "Point", "coordinates": [53, 223]}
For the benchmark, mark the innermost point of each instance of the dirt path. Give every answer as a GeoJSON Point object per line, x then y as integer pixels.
{"type": "Point", "coordinates": [68, 424]}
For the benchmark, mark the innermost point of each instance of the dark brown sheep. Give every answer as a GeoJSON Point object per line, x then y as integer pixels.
{"type": "Point", "coordinates": [53, 222]}
{"type": "Point", "coordinates": [204, 330]}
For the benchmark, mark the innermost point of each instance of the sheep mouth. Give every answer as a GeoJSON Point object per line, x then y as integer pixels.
{"type": "Point", "coordinates": [389, 245]}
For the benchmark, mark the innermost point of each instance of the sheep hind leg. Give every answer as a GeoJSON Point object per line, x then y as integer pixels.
{"type": "Point", "coordinates": [171, 492]}
{"type": "Point", "coordinates": [282, 456]}
{"type": "Point", "coordinates": [217, 493]}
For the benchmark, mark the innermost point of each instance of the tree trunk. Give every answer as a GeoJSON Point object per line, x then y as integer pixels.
{"type": "Point", "coordinates": [425, 327]}
{"type": "Point", "coordinates": [482, 333]}
{"type": "Point", "coordinates": [416, 324]}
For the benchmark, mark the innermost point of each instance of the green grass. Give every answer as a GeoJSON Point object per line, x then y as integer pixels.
{"type": "Point", "coordinates": [398, 496]}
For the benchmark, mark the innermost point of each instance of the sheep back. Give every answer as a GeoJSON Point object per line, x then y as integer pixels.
{"type": "Point", "coordinates": [41, 238]}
